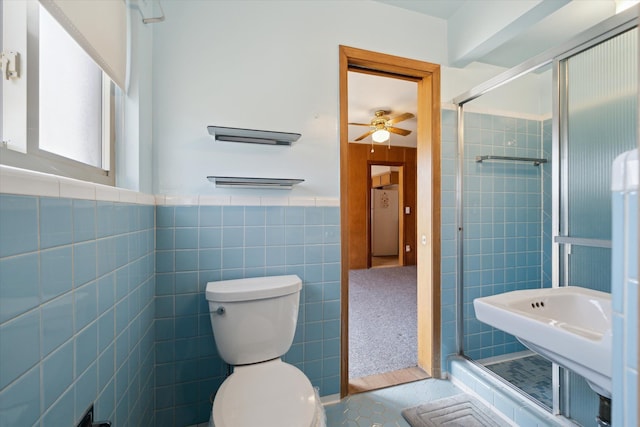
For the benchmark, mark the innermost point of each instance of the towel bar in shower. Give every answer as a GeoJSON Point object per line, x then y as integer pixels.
{"type": "Point", "coordinates": [535, 161]}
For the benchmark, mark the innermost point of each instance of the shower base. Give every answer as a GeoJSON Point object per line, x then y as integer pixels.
{"type": "Point", "coordinates": [529, 372]}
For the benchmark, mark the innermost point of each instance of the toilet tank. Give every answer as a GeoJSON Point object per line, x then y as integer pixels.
{"type": "Point", "coordinates": [254, 319]}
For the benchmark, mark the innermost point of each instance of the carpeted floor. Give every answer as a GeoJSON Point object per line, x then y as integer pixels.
{"type": "Point", "coordinates": [531, 374]}
{"type": "Point", "coordinates": [382, 320]}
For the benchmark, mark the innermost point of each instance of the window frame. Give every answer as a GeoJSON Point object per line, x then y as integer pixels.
{"type": "Point", "coordinates": [32, 157]}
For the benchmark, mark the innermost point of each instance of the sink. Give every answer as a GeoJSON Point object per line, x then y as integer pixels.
{"type": "Point", "coordinates": [570, 326]}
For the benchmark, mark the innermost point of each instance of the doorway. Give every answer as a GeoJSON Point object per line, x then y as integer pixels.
{"type": "Point", "coordinates": [386, 218]}
{"type": "Point", "coordinates": [427, 155]}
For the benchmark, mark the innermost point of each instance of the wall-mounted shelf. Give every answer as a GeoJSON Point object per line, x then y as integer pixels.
{"type": "Point", "coordinates": [246, 182]}
{"type": "Point", "coordinates": [536, 162]}
{"type": "Point", "coordinates": [252, 136]}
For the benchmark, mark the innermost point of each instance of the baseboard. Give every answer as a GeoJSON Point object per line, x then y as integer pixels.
{"type": "Point", "coordinates": [330, 399]}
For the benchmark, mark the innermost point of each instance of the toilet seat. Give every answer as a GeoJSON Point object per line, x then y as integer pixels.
{"type": "Point", "coordinates": [267, 394]}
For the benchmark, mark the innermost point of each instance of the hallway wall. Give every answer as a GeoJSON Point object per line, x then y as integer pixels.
{"type": "Point", "coordinates": [358, 188]}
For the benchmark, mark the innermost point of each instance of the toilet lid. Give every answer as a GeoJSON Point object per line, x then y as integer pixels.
{"type": "Point", "coordinates": [268, 394]}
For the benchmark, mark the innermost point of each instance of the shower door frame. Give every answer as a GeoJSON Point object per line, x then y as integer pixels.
{"type": "Point", "coordinates": [556, 57]}
{"type": "Point", "coordinates": [561, 232]}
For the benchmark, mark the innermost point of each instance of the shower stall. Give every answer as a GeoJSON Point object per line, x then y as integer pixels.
{"type": "Point", "coordinates": [535, 148]}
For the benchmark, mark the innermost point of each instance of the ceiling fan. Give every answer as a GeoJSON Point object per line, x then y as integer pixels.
{"type": "Point", "coordinates": [381, 125]}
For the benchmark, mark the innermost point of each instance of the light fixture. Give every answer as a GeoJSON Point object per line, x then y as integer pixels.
{"type": "Point", "coordinates": [381, 135]}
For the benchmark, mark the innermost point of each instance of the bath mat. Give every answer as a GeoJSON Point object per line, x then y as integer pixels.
{"type": "Point", "coordinates": [460, 410]}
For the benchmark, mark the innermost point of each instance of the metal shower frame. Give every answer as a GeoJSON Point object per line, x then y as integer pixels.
{"type": "Point", "coordinates": [555, 57]}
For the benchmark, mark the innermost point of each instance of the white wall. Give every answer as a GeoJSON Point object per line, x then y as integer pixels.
{"type": "Point", "coordinates": [134, 150]}
{"type": "Point", "coordinates": [526, 96]}
{"type": "Point", "coordinates": [271, 65]}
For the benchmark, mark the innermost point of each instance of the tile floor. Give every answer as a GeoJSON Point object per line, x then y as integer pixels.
{"type": "Point", "coordinates": [381, 408]}
{"type": "Point", "coordinates": [531, 374]}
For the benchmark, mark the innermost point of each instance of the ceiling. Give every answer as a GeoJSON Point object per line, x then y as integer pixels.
{"type": "Point", "coordinates": [368, 93]}
{"type": "Point", "coordinates": [512, 32]}
{"type": "Point", "coordinates": [442, 9]}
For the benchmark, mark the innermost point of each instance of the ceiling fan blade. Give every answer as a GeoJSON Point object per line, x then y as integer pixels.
{"type": "Point", "coordinates": [360, 124]}
{"type": "Point", "coordinates": [400, 118]}
{"type": "Point", "coordinates": [361, 137]}
{"type": "Point", "coordinates": [399, 131]}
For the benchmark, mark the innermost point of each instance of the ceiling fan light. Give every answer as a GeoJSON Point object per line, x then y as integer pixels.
{"type": "Point", "coordinates": [381, 135]}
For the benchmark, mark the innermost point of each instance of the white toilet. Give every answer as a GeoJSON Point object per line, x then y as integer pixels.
{"type": "Point", "coordinates": [254, 321]}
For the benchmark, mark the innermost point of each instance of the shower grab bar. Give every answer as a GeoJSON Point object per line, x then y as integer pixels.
{"type": "Point", "coordinates": [535, 161]}
{"type": "Point", "coordinates": [578, 241]}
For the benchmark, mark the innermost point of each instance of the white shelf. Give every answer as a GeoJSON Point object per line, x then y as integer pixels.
{"type": "Point", "coordinates": [253, 136]}
{"type": "Point", "coordinates": [246, 182]}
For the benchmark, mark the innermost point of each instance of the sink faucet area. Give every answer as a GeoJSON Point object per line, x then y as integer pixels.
{"type": "Point", "coordinates": [569, 325]}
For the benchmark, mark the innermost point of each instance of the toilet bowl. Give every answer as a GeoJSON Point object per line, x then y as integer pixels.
{"type": "Point", "coordinates": [269, 394]}
{"type": "Point", "coordinates": [254, 322]}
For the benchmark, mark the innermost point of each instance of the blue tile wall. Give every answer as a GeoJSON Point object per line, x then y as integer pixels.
{"type": "Point", "coordinates": [64, 342]}
{"type": "Point", "coordinates": [198, 244]}
{"type": "Point", "coordinates": [449, 236]}
{"type": "Point", "coordinates": [503, 225]}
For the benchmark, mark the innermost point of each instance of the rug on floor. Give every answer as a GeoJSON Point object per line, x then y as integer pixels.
{"type": "Point", "coordinates": [461, 410]}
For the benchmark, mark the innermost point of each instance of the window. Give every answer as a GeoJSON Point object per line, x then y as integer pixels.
{"type": "Point", "coordinates": [59, 115]}
{"type": "Point", "coordinates": [71, 90]}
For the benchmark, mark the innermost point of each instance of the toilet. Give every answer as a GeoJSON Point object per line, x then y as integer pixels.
{"type": "Point", "coordinates": [254, 321]}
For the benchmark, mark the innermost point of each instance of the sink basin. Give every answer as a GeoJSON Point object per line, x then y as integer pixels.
{"type": "Point", "coordinates": [570, 326]}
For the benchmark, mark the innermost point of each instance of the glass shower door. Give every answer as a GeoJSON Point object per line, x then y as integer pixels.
{"type": "Point", "coordinates": [504, 217]}
{"type": "Point", "coordinates": [598, 121]}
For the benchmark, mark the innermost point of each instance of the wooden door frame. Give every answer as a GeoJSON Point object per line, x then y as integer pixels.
{"type": "Point", "coordinates": [427, 76]}
{"type": "Point", "coordinates": [401, 195]}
